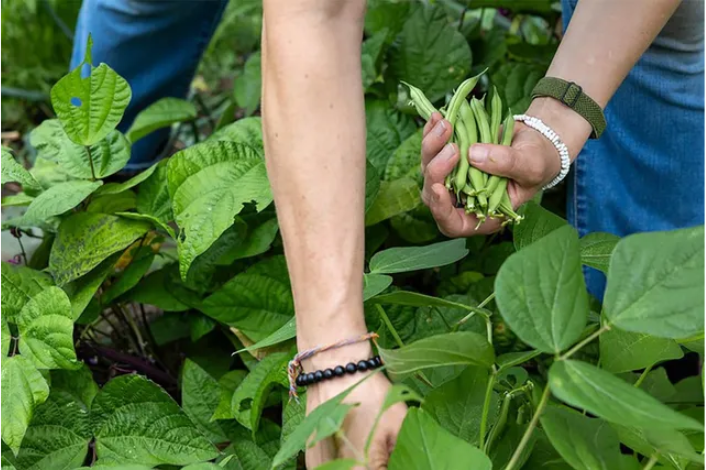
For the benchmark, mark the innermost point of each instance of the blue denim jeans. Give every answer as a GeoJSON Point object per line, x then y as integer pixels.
{"type": "Point", "coordinates": [155, 45]}
{"type": "Point", "coordinates": [646, 172]}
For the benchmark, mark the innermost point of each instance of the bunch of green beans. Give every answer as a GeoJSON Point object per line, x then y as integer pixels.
{"type": "Point", "coordinates": [474, 122]}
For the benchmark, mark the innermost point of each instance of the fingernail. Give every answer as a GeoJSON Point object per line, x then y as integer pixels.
{"type": "Point", "coordinates": [447, 152]}
{"type": "Point", "coordinates": [439, 128]}
{"type": "Point", "coordinates": [478, 154]}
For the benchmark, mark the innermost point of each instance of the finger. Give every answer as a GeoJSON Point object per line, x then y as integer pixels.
{"type": "Point", "coordinates": [435, 140]}
{"type": "Point", "coordinates": [455, 222]}
{"type": "Point", "coordinates": [433, 119]}
{"type": "Point", "coordinates": [507, 161]}
{"type": "Point", "coordinates": [437, 169]}
{"type": "Point", "coordinates": [320, 453]}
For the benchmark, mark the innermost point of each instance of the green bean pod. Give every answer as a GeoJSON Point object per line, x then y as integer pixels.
{"type": "Point", "coordinates": [496, 116]}
{"type": "Point", "coordinates": [421, 102]}
{"type": "Point", "coordinates": [463, 90]}
{"type": "Point", "coordinates": [482, 121]}
{"type": "Point", "coordinates": [494, 180]}
{"type": "Point", "coordinates": [480, 178]}
{"type": "Point", "coordinates": [497, 195]}
{"type": "Point", "coordinates": [506, 208]}
{"type": "Point", "coordinates": [465, 135]}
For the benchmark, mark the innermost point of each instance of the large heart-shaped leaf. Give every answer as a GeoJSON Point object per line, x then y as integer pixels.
{"type": "Point", "coordinates": [257, 301]}
{"type": "Point", "coordinates": [160, 114]}
{"type": "Point", "coordinates": [23, 388]}
{"type": "Point", "coordinates": [424, 445]}
{"type": "Point", "coordinates": [541, 293]}
{"type": "Point", "coordinates": [656, 283]}
{"type": "Point", "coordinates": [90, 107]}
{"type": "Point", "coordinates": [601, 393]}
{"type": "Point", "coordinates": [135, 421]}
{"type": "Point", "coordinates": [429, 53]}
{"type": "Point", "coordinates": [58, 435]}
{"type": "Point", "coordinates": [537, 223]}
{"type": "Point", "coordinates": [623, 351]}
{"type": "Point", "coordinates": [209, 184]}
{"type": "Point", "coordinates": [46, 330]}
{"type": "Point", "coordinates": [109, 155]}
{"type": "Point", "coordinates": [85, 239]}
{"type": "Point", "coordinates": [414, 258]}
{"type": "Point", "coordinates": [463, 348]}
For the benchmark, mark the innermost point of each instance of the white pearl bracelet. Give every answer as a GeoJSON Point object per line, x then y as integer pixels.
{"type": "Point", "coordinates": [546, 131]}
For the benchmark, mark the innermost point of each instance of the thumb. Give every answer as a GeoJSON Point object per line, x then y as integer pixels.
{"type": "Point", "coordinates": [379, 453]}
{"type": "Point", "coordinates": [507, 161]}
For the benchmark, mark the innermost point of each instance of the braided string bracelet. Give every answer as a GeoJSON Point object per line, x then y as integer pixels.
{"type": "Point", "coordinates": [294, 368]}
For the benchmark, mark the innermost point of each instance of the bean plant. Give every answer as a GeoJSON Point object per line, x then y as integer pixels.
{"type": "Point", "coordinates": [152, 324]}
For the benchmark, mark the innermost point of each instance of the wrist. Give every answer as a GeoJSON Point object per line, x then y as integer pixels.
{"type": "Point", "coordinates": [571, 127]}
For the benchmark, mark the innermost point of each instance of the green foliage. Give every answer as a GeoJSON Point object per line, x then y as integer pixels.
{"type": "Point", "coordinates": [153, 326]}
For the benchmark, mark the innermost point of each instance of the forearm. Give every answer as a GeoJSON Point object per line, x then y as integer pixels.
{"type": "Point", "coordinates": [602, 43]}
{"type": "Point", "coordinates": [314, 131]}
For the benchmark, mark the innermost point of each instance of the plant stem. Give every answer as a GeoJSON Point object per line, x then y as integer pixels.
{"type": "Point", "coordinates": [389, 326]}
{"type": "Point", "coordinates": [475, 310]}
{"type": "Point", "coordinates": [399, 342]}
{"type": "Point", "coordinates": [486, 408]}
{"type": "Point", "coordinates": [652, 462]}
{"type": "Point", "coordinates": [489, 330]}
{"type": "Point", "coordinates": [530, 429]}
{"type": "Point", "coordinates": [643, 376]}
{"type": "Point", "coordinates": [22, 248]}
{"type": "Point", "coordinates": [585, 341]}
{"type": "Point", "coordinates": [90, 160]}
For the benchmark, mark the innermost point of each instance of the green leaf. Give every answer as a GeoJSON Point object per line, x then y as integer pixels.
{"type": "Point", "coordinates": [383, 14]}
{"type": "Point", "coordinates": [246, 455]}
{"type": "Point", "coordinates": [57, 200]}
{"type": "Point", "coordinates": [515, 82]}
{"type": "Point", "coordinates": [429, 53]}
{"type": "Point", "coordinates": [76, 386]}
{"type": "Point", "coordinates": [600, 393]}
{"type": "Point", "coordinates": [372, 185]}
{"type": "Point", "coordinates": [209, 184]}
{"type": "Point", "coordinates": [507, 443]}
{"type": "Point", "coordinates": [246, 90]}
{"type": "Point", "coordinates": [113, 203]}
{"type": "Point", "coordinates": [693, 343]}
{"type": "Point", "coordinates": [544, 456]}
{"type": "Point", "coordinates": [57, 437]}
{"type": "Point", "coordinates": [399, 260]}
{"type": "Point", "coordinates": [19, 284]}
{"type": "Point", "coordinates": [131, 275]}
{"type": "Point", "coordinates": [322, 422]}
{"type": "Point", "coordinates": [135, 421]}
{"type": "Point", "coordinates": [250, 396]}
{"type": "Point", "coordinates": [117, 188]}
{"type": "Point", "coordinates": [424, 445]}
{"type": "Point", "coordinates": [656, 283]}
{"type": "Point", "coordinates": [463, 348]}
{"type": "Point", "coordinates": [153, 290]}
{"type": "Point", "coordinates": [284, 333]}
{"type": "Point", "coordinates": [227, 385]}
{"type": "Point", "coordinates": [416, 226]}
{"type": "Point", "coordinates": [373, 284]}
{"type": "Point", "coordinates": [257, 242]}
{"type": "Point", "coordinates": [160, 114]}
{"type": "Point", "coordinates": [86, 239]}
{"type": "Point", "coordinates": [13, 172]}
{"type": "Point", "coordinates": [243, 131]}
{"type": "Point", "coordinates": [200, 394]}
{"type": "Point", "coordinates": [23, 388]}
{"type": "Point", "coordinates": [596, 249]}
{"type": "Point", "coordinates": [89, 108]}
{"type": "Point", "coordinates": [17, 200]}
{"type": "Point", "coordinates": [109, 154]}
{"type": "Point", "coordinates": [257, 302]}
{"type": "Point", "coordinates": [512, 359]}
{"type": "Point", "coordinates": [46, 330]}
{"type": "Point", "coordinates": [673, 446]}
{"type": "Point", "coordinates": [623, 351]}
{"type": "Point", "coordinates": [151, 220]}
{"type": "Point", "coordinates": [657, 384]}
{"type": "Point", "coordinates": [541, 293]}
{"type": "Point", "coordinates": [404, 162]}
{"type": "Point", "coordinates": [153, 195]}
{"type": "Point", "coordinates": [393, 198]}
{"type": "Point", "coordinates": [457, 405]}
{"type": "Point", "coordinates": [538, 222]}
{"type": "Point", "coordinates": [585, 443]}
{"type": "Point", "coordinates": [386, 130]}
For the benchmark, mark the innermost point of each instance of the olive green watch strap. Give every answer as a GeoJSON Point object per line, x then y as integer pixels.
{"type": "Point", "coordinates": [572, 95]}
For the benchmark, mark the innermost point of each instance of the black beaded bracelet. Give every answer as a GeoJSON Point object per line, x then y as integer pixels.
{"type": "Point", "coordinates": [311, 378]}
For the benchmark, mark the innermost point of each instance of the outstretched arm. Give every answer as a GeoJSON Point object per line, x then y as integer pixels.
{"type": "Point", "coordinates": [314, 129]}
{"type": "Point", "coordinates": [603, 42]}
